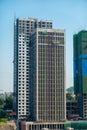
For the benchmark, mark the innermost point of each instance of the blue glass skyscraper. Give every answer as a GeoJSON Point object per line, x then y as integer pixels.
{"type": "Point", "coordinates": [80, 71]}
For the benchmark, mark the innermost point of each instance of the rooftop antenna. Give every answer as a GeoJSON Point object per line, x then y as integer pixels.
{"type": "Point", "coordinates": [14, 18]}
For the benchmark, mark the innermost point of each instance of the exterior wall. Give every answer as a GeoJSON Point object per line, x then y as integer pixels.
{"type": "Point", "coordinates": [41, 126]}
{"type": "Point", "coordinates": [48, 75]}
{"type": "Point", "coordinates": [15, 67]}
{"type": "Point", "coordinates": [72, 109]}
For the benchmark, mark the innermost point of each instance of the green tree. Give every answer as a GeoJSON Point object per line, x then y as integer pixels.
{"type": "Point", "coordinates": [70, 97]}
{"type": "Point", "coordinates": [1, 103]}
{"type": "Point", "coordinates": [8, 103]}
{"type": "Point", "coordinates": [2, 114]}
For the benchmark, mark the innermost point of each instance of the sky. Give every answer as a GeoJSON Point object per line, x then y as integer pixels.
{"type": "Point", "coordinates": [70, 15]}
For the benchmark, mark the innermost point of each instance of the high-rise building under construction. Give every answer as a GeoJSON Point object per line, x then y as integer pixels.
{"type": "Point", "coordinates": [23, 28]}
{"type": "Point", "coordinates": [80, 71]}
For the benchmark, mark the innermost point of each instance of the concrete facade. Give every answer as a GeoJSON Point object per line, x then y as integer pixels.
{"type": "Point", "coordinates": [23, 29]}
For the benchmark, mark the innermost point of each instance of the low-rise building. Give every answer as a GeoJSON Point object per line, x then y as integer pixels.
{"type": "Point", "coordinates": [72, 110]}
